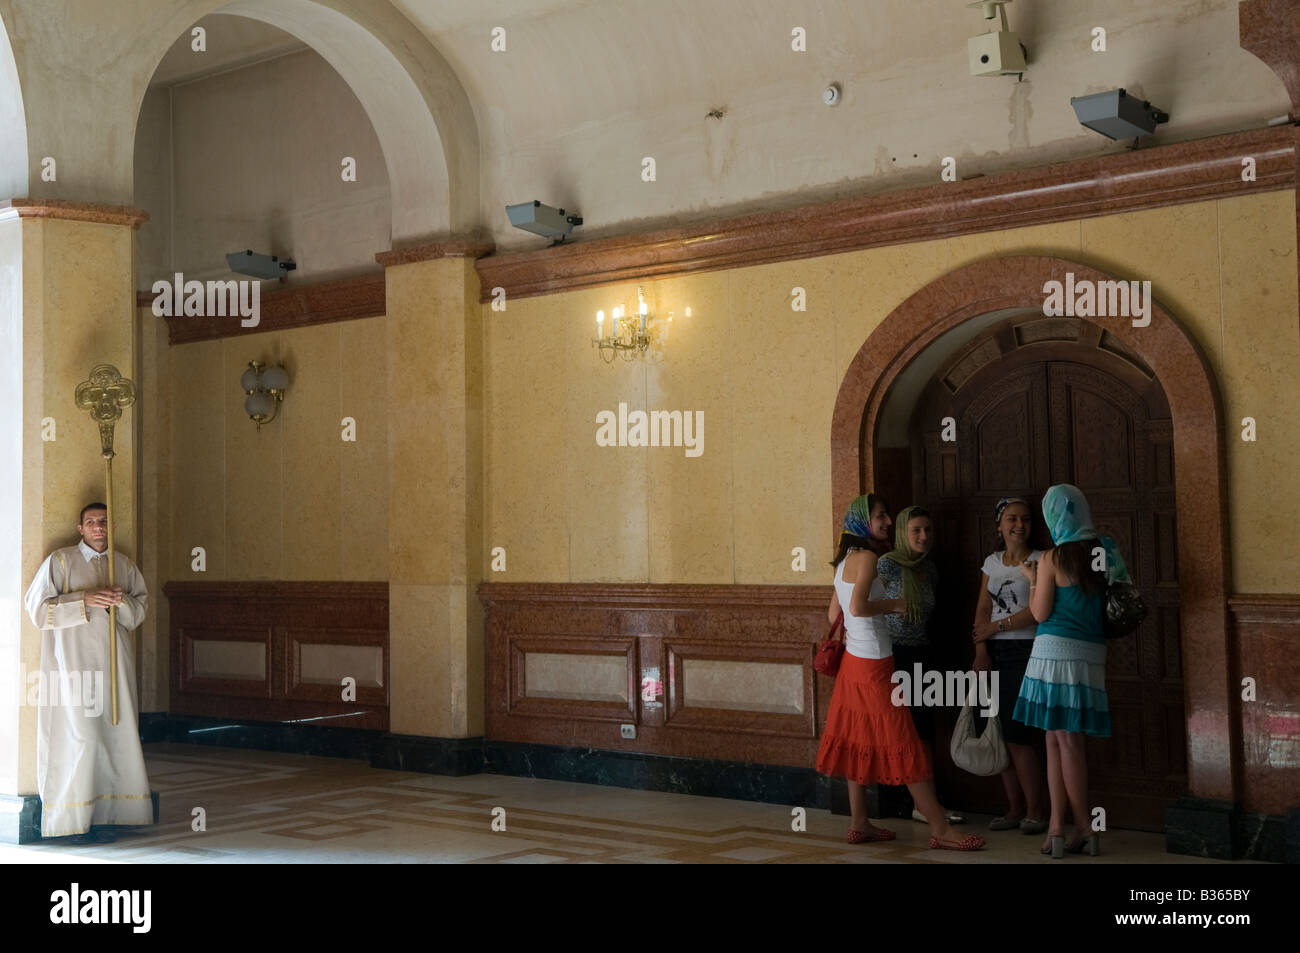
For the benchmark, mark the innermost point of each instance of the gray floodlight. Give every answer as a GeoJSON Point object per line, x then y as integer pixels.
{"type": "Point", "coordinates": [258, 266]}
{"type": "Point", "coordinates": [542, 219]}
{"type": "Point", "coordinates": [1117, 115]}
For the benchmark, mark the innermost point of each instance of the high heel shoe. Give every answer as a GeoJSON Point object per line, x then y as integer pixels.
{"type": "Point", "coordinates": [1091, 845]}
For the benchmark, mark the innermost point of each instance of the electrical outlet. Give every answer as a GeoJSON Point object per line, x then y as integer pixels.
{"type": "Point", "coordinates": [628, 732]}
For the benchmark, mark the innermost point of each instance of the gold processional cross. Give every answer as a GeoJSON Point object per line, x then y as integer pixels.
{"type": "Point", "coordinates": [104, 395]}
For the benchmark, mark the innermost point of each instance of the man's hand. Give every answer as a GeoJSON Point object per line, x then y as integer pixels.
{"type": "Point", "coordinates": [104, 598]}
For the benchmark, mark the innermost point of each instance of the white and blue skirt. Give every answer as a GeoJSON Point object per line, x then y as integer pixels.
{"type": "Point", "coordinates": [1065, 687]}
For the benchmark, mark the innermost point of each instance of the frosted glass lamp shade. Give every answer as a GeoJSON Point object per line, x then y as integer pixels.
{"type": "Point", "coordinates": [275, 378]}
{"type": "Point", "coordinates": [248, 381]}
{"type": "Point", "coordinates": [259, 404]}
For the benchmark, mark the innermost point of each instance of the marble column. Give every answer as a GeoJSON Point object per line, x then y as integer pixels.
{"type": "Point", "coordinates": [67, 303]}
{"type": "Point", "coordinates": [435, 460]}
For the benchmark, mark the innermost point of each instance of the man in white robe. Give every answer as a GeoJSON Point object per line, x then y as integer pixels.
{"type": "Point", "coordinates": [88, 770]}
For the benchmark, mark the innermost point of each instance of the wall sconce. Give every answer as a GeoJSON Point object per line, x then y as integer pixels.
{"type": "Point", "coordinates": [265, 387]}
{"type": "Point", "coordinates": [631, 336]}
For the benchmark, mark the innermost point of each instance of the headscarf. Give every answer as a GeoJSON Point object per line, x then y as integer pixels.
{"type": "Point", "coordinates": [1069, 520]}
{"type": "Point", "coordinates": [908, 561]}
{"type": "Point", "coordinates": [1002, 505]}
{"type": "Point", "coordinates": [857, 519]}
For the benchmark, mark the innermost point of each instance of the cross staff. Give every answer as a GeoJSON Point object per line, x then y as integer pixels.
{"type": "Point", "coordinates": [104, 395]}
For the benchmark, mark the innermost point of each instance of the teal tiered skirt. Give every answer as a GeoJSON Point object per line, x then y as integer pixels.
{"type": "Point", "coordinates": [1065, 687]}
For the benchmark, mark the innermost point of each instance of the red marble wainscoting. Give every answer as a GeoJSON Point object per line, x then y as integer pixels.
{"type": "Point", "coordinates": [279, 651]}
{"type": "Point", "coordinates": [1266, 636]}
{"type": "Point", "coordinates": [718, 672]}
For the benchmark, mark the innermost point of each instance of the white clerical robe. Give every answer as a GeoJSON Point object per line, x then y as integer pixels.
{"type": "Point", "coordinates": [88, 770]}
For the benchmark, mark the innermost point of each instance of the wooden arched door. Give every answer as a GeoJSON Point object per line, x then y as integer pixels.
{"type": "Point", "coordinates": [1044, 401]}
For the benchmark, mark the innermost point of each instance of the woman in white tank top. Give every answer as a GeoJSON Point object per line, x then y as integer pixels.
{"type": "Point", "coordinates": [868, 739]}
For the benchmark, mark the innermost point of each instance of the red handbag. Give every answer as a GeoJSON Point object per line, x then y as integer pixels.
{"type": "Point", "coordinates": [831, 651]}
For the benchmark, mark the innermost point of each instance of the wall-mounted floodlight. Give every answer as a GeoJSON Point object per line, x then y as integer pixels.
{"type": "Point", "coordinates": [1117, 115]}
{"type": "Point", "coordinates": [543, 220]}
{"type": "Point", "coordinates": [259, 266]}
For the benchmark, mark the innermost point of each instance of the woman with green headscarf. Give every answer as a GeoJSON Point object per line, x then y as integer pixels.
{"type": "Point", "coordinates": [1064, 688]}
{"type": "Point", "coordinates": [908, 573]}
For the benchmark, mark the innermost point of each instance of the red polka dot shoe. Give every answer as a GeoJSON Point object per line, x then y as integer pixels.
{"type": "Point", "coordinates": [970, 842]}
{"type": "Point", "coordinates": [875, 834]}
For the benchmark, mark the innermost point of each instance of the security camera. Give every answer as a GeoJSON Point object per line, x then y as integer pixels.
{"type": "Point", "coordinates": [998, 52]}
{"type": "Point", "coordinates": [542, 219]}
{"type": "Point", "coordinates": [259, 266]}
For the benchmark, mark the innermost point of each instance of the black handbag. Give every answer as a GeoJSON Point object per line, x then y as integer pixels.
{"type": "Point", "coordinates": [1125, 610]}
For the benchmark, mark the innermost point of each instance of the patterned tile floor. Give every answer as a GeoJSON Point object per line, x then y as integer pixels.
{"type": "Point", "coordinates": [262, 807]}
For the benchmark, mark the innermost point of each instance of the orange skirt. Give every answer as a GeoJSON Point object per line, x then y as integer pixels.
{"type": "Point", "coordinates": [869, 739]}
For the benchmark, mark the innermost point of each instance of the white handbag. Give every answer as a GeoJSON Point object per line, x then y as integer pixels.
{"type": "Point", "coordinates": [982, 754]}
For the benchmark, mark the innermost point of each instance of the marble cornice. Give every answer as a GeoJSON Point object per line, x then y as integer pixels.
{"type": "Point", "coordinates": [73, 211]}
{"type": "Point", "coordinates": [431, 250]}
{"type": "Point", "coordinates": [1083, 188]}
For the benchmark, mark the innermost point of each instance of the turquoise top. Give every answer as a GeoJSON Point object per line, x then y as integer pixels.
{"type": "Point", "coordinates": [1075, 616]}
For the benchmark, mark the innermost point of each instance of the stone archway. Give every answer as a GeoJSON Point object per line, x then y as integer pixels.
{"type": "Point", "coordinates": [1213, 733]}
{"type": "Point", "coordinates": [13, 123]}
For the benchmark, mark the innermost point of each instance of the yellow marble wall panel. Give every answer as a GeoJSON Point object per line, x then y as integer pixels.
{"type": "Point", "coordinates": [690, 497]}
{"type": "Point", "coordinates": [420, 631]}
{"type": "Point", "coordinates": [364, 508]}
{"type": "Point", "coordinates": [255, 489]}
{"type": "Point", "coordinates": [312, 449]}
{"type": "Point", "coordinates": [744, 686]}
{"type": "Point", "coordinates": [87, 315]}
{"type": "Point", "coordinates": [783, 394]}
{"type": "Point", "coordinates": [867, 285]}
{"type": "Point", "coordinates": [1261, 379]}
{"type": "Point", "coordinates": [322, 663]}
{"type": "Point", "coordinates": [601, 678]}
{"type": "Point", "coordinates": [608, 505]}
{"type": "Point", "coordinates": [221, 658]}
{"type": "Point", "coordinates": [527, 501]}
{"type": "Point", "coordinates": [198, 472]}
{"type": "Point", "coordinates": [1176, 249]}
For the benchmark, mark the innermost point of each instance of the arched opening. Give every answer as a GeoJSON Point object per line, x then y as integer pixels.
{"type": "Point", "coordinates": [411, 96]}
{"type": "Point", "coordinates": [1175, 362]}
{"type": "Point", "coordinates": [13, 124]}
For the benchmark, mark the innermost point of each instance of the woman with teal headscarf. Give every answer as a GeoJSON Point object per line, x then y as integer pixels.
{"type": "Point", "coordinates": [1064, 689]}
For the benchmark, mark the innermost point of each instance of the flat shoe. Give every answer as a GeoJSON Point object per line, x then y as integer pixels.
{"type": "Point", "coordinates": [864, 837]}
{"type": "Point", "coordinates": [1028, 826]}
{"type": "Point", "coordinates": [1005, 823]}
{"type": "Point", "coordinates": [969, 842]}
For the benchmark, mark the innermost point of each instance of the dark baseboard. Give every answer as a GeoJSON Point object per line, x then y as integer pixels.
{"type": "Point", "coordinates": [285, 737]}
{"type": "Point", "coordinates": [1201, 827]}
{"type": "Point", "coordinates": [451, 756]}
{"type": "Point", "coordinates": [772, 784]}
{"type": "Point", "coordinates": [20, 818]}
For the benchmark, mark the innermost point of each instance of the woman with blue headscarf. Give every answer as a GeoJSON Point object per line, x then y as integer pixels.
{"type": "Point", "coordinates": [1064, 689]}
{"type": "Point", "coordinates": [868, 739]}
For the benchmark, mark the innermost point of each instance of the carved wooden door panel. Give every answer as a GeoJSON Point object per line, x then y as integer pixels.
{"type": "Point", "coordinates": [1064, 413]}
{"type": "Point", "coordinates": [1105, 443]}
